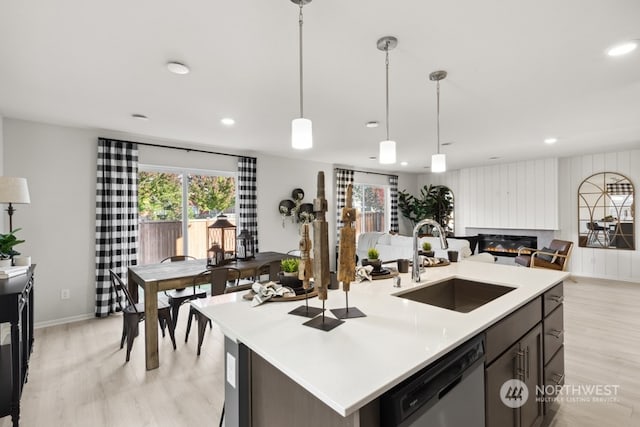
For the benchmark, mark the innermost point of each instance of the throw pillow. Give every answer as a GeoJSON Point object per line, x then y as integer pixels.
{"type": "Point", "coordinates": [546, 256]}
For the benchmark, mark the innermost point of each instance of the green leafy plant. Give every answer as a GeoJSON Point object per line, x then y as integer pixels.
{"type": "Point", "coordinates": [373, 253]}
{"type": "Point", "coordinates": [426, 246]}
{"type": "Point", "coordinates": [7, 242]}
{"type": "Point", "coordinates": [434, 201]}
{"type": "Point", "coordinates": [290, 265]}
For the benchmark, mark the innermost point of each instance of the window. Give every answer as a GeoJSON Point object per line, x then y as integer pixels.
{"type": "Point", "coordinates": [372, 203]}
{"type": "Point", "coordinates": [176, 206]}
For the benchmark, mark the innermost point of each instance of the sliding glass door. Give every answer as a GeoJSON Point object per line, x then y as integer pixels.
{"type": "Point", "coordinates": [175, 207]}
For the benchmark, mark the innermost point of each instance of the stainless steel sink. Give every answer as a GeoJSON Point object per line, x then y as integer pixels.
{"type": "Point", "coordinates": [456, 294]}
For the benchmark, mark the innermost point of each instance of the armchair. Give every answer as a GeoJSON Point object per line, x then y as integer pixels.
{"type": "Point", "coordinates": [555, 257]}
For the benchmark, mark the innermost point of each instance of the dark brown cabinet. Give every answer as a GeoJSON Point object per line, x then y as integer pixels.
{"type": "Point", "coordinates": [528, 346]}
{"type": "Point", "coordinates": [553, 324]}
{"type": "Point", "coordinates": [16, 308]}
{"type": "Point", "coordinates": [522, 361]}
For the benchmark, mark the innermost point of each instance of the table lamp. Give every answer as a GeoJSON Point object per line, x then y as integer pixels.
{"type": "Point", "coordinates": [13, 190]}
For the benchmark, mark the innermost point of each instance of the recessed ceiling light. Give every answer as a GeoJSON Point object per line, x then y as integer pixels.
{"type": "Point", "coordinates": [140, 116]}
{"type": "Point", "coordinates": [227, 121]}
{"type": "Point", "coordinates": [177, 68]}
{"type": "Point", "coordinates": [404, 163]}
{"type": "Point", "coordinates": [550, 140]}
{"type": "Point", "coordinates": [494, 157]}
{"type": "Point", "coordinates": [372, 124]}
{"type": "Point", "coordinates": [622, 48]}
{"type": "Point", "coordinates": [427, 167]}
{"type": "Point", "coordinates": [444, 144]}
{"type": "Point", "coordinates": [372, 157]}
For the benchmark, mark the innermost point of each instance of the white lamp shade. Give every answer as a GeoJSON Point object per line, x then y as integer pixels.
{"type": "Point", "coordinates": [14, 190]}
{"type": "Point", "coordinates": [301, 134]}
{"type": "Point", "coordinates": [438, 163]}
{"type": "Point", "coordinates": [387, 154]}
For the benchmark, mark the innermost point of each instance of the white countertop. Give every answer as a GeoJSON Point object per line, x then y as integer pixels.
{"type": "Point", "coordinates": [364, 357]}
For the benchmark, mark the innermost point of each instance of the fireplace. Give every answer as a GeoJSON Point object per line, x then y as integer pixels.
{"type": "Point", "coordinates": [505, 245]}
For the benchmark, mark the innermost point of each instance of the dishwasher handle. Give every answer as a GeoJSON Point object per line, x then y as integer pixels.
{"type": "Point", "coordinates": [446, 389]}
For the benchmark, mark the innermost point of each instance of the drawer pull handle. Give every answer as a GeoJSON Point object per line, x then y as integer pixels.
{"type": "Point", "coordinates": [557, 378]}
{"type": "Point", "coordinates": [555, 333]}
{"type": "Point", "coordinates": [556, 298]}
{"type": "Point", "coordinates": [520, 366]}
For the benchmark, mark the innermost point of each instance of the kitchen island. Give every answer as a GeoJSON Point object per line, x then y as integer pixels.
{"type": "Point", "coordinates": [350, 367]}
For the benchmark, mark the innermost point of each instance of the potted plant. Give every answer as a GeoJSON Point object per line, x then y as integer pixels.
{"type": "Point", "coordinates": [289, 266]}
{"type": "Point", "coordinates": [7, 242]}
{"type": "Point", "coordinates": [434, 201]}
{"type": "Point", "coordinates": [426, 250]}
{"type": "Point", "coordinates": [373, 259]}
{"type": "Point", "coordinates": [289, 273]}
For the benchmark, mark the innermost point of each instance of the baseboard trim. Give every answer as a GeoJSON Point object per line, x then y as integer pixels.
{"type": "Point", "coordinates": [604, 279]}
{"type": "Point", "coordinates": [64, 320]}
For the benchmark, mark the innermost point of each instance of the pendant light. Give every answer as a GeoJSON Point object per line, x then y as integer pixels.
{"type": "Point", "coordinates": [301, 130]}
{"type": "Point", "coordinates": [438, 161]}
{"type": "Point", "coordinates": [387, 153]}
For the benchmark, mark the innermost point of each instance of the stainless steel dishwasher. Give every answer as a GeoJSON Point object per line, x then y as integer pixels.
{"type": "Point", "coordinates": [447, 393]}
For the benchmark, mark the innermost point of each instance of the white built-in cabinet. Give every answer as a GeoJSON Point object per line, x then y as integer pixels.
{"type": "Point", "coordinates": [521, 195]}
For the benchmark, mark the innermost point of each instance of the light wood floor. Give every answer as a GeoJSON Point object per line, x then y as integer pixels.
{"type": "Point", "coordinates": [78, 376]}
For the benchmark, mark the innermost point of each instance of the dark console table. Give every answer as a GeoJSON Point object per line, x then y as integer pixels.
{"type": "Point", "coordinates": [16, 308]}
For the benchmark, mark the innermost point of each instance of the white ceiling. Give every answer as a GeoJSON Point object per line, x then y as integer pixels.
{"type": "Point", "coordinates": [519, 71]}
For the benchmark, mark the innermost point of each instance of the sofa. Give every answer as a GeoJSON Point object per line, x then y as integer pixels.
{"type": "Point", "coordinates": [394, 246]}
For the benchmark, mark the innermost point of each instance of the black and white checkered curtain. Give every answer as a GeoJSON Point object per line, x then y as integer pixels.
{"type": "Point", "coordinates": [248, 197]}
{"type": "Point", "coordinates": [116, 217]}
{"type": "Point", "coordinates": [620, 188]}
{"type": "Point", "coordinates": [393, 187]}
{"type": "Point", "coordinates": [344, 177]}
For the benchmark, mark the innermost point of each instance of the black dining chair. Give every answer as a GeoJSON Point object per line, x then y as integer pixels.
{"type": "Point", "coordinates": [133, 314]}
{"type": "Point", "coordinates": [270, 269]}
{"type": "Point", "coordinates": [177, 297]}
{"type": "Point", "coordinates": [223, 280]}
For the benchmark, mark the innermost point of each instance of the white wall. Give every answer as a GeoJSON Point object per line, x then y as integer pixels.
{"type": "Point", "coordinates": [615, 264]}
{"type": "Point", "coordinates": [277, 178]}
{"type": "Point", "coordinates": [59, 224]}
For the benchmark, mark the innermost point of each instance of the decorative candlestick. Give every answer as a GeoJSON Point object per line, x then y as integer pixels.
{"type": "Point", "coordinates": [321, 275]}
{"type": "Point", "coordinates": [347, 257]}
{"type": "Point", "coordinates": [305, 272]}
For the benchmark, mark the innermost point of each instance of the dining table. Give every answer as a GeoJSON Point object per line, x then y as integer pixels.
{"type": "Point", "coordinates": [153, 278]}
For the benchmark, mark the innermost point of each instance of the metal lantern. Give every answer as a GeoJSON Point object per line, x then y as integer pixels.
{"type": "Point", "coordinates": [223, 234]}
{"type": "Point", "coordinates": [245, 245]}
{"type": "Point", "coordinates": [215, 256]}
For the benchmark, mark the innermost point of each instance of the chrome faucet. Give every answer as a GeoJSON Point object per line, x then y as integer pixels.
{"type": "Point", "coordinates": [415, 272]}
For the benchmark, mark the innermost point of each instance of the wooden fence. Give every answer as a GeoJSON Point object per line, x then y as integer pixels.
{"type": "Point", "coordinates": [160, 239]}
{"type": "Point", "coordinates": [373, 221]}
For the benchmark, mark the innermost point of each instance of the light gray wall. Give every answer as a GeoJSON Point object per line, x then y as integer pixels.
{"type": "Point", "coordinates": [59, 225]}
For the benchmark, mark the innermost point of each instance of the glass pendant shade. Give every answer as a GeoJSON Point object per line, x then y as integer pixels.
{"type": "Point", "coordinates": [387, 154]}
{"type": "Point", "coordinates": [438, 163]}
{"type": "Point", "coordinates": [301, 134]}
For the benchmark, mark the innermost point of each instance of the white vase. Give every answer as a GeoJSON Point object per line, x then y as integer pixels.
{"type": "Point", "coordinates": [5, 262]}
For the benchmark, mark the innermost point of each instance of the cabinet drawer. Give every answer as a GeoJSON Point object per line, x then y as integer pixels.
{"type": "Point", "coordinates": [503, 334]}
{"type": "Point", "coordinates": [553, 377]}
{"type": "Point", "coordinates": [552, 298]}
{"type": "Point", "coordinates": [553, 333]}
